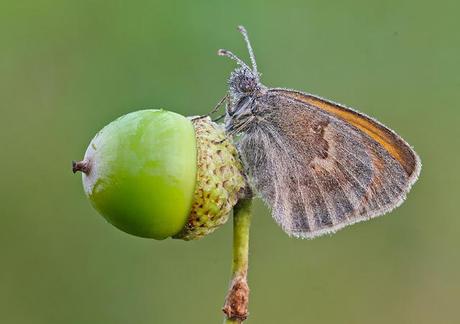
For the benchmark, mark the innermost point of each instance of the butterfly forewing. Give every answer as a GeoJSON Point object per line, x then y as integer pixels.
{"type": "Point", "coordinates": [321, 166]}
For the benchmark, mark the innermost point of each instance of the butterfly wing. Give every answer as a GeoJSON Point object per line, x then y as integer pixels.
{"type": "Point", "coordinates": [321, 166]}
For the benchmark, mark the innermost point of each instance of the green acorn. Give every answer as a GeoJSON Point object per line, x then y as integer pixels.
{"type": "Point", "coordinates": [157, 174]}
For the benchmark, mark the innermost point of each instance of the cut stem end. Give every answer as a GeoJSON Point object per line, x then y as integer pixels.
{"type": "Point", "coordinates": [237, 300]}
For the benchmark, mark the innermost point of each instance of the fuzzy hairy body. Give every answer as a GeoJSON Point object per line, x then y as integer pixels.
{"type": "Point", "coordinates": [316, 170]}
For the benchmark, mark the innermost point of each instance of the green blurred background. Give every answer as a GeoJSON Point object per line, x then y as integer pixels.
{"type": "Point", "coordinates": [67, 68]}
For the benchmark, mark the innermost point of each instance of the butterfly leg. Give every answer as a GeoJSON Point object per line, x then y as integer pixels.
{"type": "Point", "coordinates": [227, 97]}
{"type": "Point", "coordinates": [216, 108]}
{"type": "Point", "coordinates": [218, 118]}
{"type": "Point", "coordinates": [236, 130]}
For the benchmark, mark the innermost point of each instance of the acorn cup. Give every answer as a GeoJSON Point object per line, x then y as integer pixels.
{"type": "Point", "coordinates": [157, 174]}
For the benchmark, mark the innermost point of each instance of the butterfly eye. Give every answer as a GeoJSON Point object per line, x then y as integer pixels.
{"type": "Point", "coordinates": [245, 87]}
{"type": "Point", "coordinates": [247, 83]}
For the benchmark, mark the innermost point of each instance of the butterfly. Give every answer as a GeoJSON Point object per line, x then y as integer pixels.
{"type": "Point", "coordinates": [319, 165]}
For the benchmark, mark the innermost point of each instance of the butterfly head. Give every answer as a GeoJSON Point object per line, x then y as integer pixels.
{"type": "Point", "coordinates": [244, 80]}
{"type": "Point", "coordinates": [244, 84]}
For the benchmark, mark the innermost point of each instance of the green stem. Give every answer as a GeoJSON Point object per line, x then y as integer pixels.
{"type": "Point", "coordinates": [236, 302]}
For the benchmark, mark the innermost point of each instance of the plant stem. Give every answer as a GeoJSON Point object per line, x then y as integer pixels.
{"type": "Point", "coordinates": [236, 302]}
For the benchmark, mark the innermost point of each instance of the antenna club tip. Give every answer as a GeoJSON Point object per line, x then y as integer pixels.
{"type": "Point", "coordinates": [241, 29]}
{"type": "Point", "coordinates": [222, 52]}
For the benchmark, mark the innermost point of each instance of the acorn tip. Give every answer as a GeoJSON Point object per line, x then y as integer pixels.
{"type": "Point", "coordinates": [81, 166]}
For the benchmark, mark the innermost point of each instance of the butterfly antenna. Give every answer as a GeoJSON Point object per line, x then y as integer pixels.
{"type": "Point", "coordinates": [244, 32]}
{"type": "Point", "coordinates": [224, 52]}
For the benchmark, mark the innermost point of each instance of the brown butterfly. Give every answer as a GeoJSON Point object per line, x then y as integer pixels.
{"type": "Point", "coordinates": [319, 165]}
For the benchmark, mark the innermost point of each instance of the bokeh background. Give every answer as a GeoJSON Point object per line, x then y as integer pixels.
{"type": "Point", "coordinates": [67, 68]}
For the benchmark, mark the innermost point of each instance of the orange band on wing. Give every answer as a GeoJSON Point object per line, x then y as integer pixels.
{"type": "Point", "coordinates": [390, 141]}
